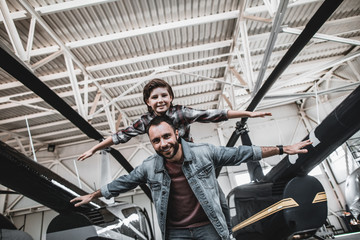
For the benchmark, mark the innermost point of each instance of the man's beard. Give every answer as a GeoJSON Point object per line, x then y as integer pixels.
{"type": "Point", "coordinates": [175, 147]}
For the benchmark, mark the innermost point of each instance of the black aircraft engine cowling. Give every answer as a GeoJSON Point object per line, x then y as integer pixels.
{"type": "Point", "coordinates": [71, 222]}
{"type": "Point", "coordinates": [278, 210]}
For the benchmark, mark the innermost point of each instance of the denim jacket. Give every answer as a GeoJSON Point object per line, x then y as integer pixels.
{"type": "Point", "coordinates": [200, 162]}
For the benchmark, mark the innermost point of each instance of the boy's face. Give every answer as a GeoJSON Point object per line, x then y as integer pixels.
{"type": "Point", "coordinates": [159, 100]}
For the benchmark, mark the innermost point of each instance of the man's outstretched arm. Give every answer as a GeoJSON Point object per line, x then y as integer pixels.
{"type": "Point", "coordinates": [86, 198]}
{"type": "Point", "coordinates": [290, 149]}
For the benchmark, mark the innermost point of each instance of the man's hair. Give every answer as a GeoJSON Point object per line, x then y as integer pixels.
{"type": "Point", "coordinates": [156, 83]}
{"type": "Point", "coordinates": [156, 121]}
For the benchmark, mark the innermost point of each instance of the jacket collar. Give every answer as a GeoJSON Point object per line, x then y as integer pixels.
{"type": "Point", "coordinates": [188, 154]}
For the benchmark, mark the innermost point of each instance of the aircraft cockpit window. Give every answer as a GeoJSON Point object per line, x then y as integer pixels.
{"type": "Point", "coordinates": [135, 224]}
{"type": "Point", "coordinates": [338, 160]}
{"type": "Point", "coordinates": [231, 203]}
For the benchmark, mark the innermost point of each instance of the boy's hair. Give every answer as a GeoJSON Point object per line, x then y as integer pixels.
{"type": "Point", "coordinates": [156, 121]}
{"type": "Point", "coordinates": [156, 83]}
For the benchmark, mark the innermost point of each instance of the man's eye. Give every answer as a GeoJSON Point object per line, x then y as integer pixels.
{"type": "Point", "coordinates": [155, 141]}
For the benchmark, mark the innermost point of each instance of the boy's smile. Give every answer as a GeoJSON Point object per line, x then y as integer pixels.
{"type": "Point", "coordinates": [159, 100]}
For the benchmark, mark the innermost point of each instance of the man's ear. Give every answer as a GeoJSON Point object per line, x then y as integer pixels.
{"type": "Point", "coordinates": [177, 136]}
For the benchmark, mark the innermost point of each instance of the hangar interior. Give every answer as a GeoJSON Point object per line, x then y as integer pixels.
{"type": "Point", "coordinates": [98, 55]}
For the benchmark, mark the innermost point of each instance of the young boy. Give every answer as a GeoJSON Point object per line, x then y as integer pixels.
{"type": "Point", "coordinates": [158, 96]}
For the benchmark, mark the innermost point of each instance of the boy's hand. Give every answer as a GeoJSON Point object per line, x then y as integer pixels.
{"type": "Point", "coordinates": [259, 114]}
{"type": "Point", "coordinates": [85, 155]}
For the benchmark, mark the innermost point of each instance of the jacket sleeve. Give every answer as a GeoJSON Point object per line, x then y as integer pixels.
{"type": "Point", "coordinates": [234, 156]}
{"type": "Point", "coordinates": [204, 116]}
{"type": "Point", "coordinates": [124, 135]}
{"type": "Point", "coordinates": [124, 183]}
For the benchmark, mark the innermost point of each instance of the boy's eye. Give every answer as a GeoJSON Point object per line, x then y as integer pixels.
{"type": "Point", "coordinates": [164, 95]}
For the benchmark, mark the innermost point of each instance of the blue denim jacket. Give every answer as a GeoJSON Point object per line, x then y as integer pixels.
{"type": "Point", "coordinates": [200, 162]}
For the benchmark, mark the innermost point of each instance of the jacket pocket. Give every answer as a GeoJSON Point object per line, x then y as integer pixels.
{"type": "Point", "coordinates": [206, 176]}
{"type": "Point", "coordinates": [155, 188]}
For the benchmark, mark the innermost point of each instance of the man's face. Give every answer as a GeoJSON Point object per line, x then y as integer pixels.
{"type": "Point", "coordinates": [164, 140]}
{"type": "Point", "coordinates": [159, 100]}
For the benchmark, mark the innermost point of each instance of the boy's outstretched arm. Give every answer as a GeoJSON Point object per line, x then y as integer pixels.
{"type": "Point", "coordinates": [86, 198]}
{"type": "Point", "coordinates": [101, 145]}
{"type": "Point", "coordinates": [241, 114]}
{"type": "Point", "coordinates": [138, 127]}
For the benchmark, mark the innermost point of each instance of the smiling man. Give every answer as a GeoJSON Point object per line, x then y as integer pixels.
{"type": "Point", "coordinates": [182, 180]}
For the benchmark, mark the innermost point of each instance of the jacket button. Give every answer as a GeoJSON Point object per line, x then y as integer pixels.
{"type": "Point", "coordinates": [163, 193]}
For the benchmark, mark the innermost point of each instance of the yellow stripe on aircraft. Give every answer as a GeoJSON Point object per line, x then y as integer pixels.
{"type": "Point", "coordinates": [320, 197]}
{"type": "Point", "coordinates": [276, 207]}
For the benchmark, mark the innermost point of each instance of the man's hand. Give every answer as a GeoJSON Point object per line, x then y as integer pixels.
{"type": "Point", "coordinates": [81, 200]}
{"type": "Point", "coordinates": [85, 155]}
{"type": "Point", "coordinates": [297, 147]}
{"type": "Point", "coordinates": [290, 149]}
{"type": "Point", "coordinates": [259, 114]}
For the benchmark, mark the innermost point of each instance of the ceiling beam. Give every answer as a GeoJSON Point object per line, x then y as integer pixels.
{"type": "Point", "coordinates": [36, 99]}
{"type": "Point", "coordinates": [67, 52]}
{"type": "Point", "coordinates": [68, 6]}
{"type": "Point", "coordinates": [296, 69]}
{"type": "Point", "coordinates": [45, 78]}
{"type": "Point", "coordinates": [74, 85]}
{"type": "Point", "coordinates": [232, 52]}
{"type": "Point", "coordinates": [12, 31]}
{"type": "Point", "coordinates": [132, 96]}
{"type": "Point", "coordinates": [254, 10]}
{"type": "Point", "coordinates": [153, 29]}
{"type": "Point", "coordinates": [170, 53]}
{"type": "Point", "coordinates": [348, 87]}
{"type": "Point", "coordinates": [323, 36]}
{"type": "Point", "coordinates": [51, 125]}
{"type": "Point", "coordinates": [270, 44]}
{"type": "Point", "coordinates": [140, 80]}
{"type": "Point", "coordinates": [157, 70]}
{"type": "Point", "coordinates": [316, 69]}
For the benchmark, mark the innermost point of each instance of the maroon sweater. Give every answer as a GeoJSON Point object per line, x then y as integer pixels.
{"type": "Point", "coordinates": [184, 210]}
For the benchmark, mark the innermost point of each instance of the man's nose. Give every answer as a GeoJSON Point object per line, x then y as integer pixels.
{"type": "Point", "coordinates": [163, 143]}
